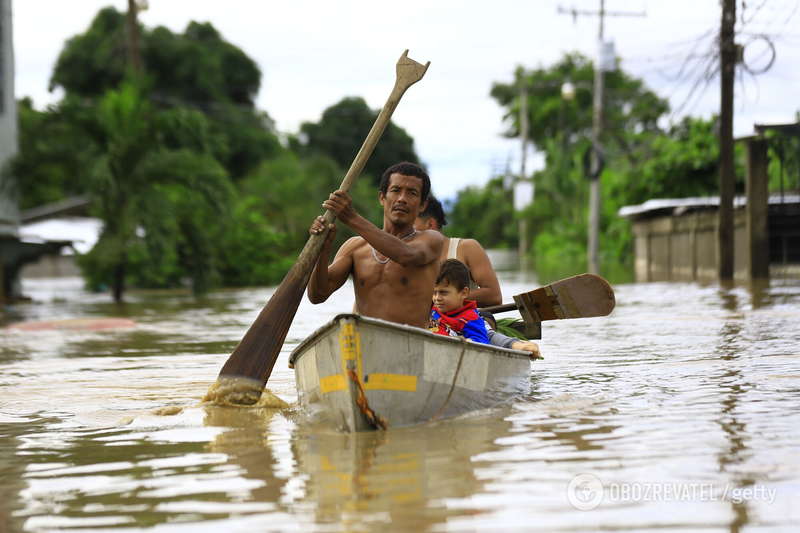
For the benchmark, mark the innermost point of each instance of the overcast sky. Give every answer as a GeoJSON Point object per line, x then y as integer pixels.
{"type": "Point", "coordinates": [313, 53]}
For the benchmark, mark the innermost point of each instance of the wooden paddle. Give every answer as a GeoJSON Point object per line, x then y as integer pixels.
{"type": "Point", "coordinates": [581, 296]}
{"type": "Point", "coordinates": [250, 364]}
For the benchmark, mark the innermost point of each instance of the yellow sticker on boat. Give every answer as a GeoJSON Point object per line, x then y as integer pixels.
{"type": "Point", "coordinates": [332, 383]}
{"type": "Point", "coordinates": [401, 382]}
{"type": "Point", "coordinates": [350, 348]}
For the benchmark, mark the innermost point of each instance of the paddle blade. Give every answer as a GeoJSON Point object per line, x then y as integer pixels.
{"type": "Point", "coordinates": [581, 296]}
{"type": "Point", "coordinates": [256, 353]}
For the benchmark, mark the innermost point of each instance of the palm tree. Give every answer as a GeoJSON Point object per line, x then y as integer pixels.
{"type": "Point", "coordinates": [156, 187]}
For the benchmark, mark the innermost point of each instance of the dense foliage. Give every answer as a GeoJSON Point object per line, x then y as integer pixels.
{"type": "Point", "coordinates": [194, 187]}
{"type": "Point", "coordinates": [485, 214]}
{"type": "Point", "coordinates": [189, 178]}
{"type": "Point", "coordinates": [342, 129]}
{"type": "Point", "coordinates": [643, 161]}
{"type": "Point", "coordinates": [196, 69]}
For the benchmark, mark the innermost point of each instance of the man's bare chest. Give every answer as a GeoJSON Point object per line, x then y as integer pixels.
{"type": "Point", "coordinates": [374, 271]}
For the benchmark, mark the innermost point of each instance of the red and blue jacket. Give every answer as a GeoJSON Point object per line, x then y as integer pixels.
{"type": "Point", "coordinates": [463, 322]}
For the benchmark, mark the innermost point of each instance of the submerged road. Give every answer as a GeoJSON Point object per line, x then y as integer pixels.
{"type": "Point", "coordinates": [679, 412]}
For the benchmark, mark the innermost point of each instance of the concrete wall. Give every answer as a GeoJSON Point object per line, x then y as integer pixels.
{"type": "Point", "coordinates": [51, 266]}
{"type": "Point", "coordinates": [684, 248]}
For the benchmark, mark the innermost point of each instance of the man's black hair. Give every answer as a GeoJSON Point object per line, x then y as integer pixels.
{"type": "Point", "coordinates": [455, 273]}
{"type": "Point", "coordinates": [434, 211]}
{"type": "Point", "coordinates": [407, 169]}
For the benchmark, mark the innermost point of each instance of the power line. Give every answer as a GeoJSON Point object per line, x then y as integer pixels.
{"type": "Point", "coordinates": [597, 125]}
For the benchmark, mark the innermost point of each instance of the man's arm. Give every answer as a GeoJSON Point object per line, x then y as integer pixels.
{"type": "Point", "coordinates": [482, 272]}
{"type": "Point", "coordinates": [421, 251]}
{"type": "Point", "coordinates": [325, 280]}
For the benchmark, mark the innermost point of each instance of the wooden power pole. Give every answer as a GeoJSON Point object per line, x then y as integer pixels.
{"type": "Point", "coordinates": [523, 172]}
{"type": "Point", "coordinates": [595, 201]}
{"type": "Point", "coordinates": [595, 204]}
{"type": "Point", "coordinates": [134, 50]}
{"type": "Point", "coordinates": [727, 51]}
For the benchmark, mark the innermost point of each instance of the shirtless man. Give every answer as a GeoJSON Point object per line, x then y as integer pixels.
{"type": "Point", "coordinates": [393, 268]}
{"type": "Point", "coordinates": [468, 251]}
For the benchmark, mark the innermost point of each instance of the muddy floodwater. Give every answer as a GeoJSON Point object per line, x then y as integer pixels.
{"type": "Point", "coordinates": [679, 412]}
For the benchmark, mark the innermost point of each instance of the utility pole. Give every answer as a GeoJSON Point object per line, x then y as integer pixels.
{"type": "Point", "coordinates": [523, 132]}
{"type": "Point", "coordinates": [134, 50]}
{"type": "Point", "coordinates": [597, 130]}
{"type": "Point", "coordinates": [600, 66]}
{"type": "Point", "coordinates": [9, 209]}
{"type": "Point", "coordinates": [727, 53]}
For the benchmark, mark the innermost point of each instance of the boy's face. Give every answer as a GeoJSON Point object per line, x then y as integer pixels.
{"type": "Point", "coordinates": [447, 298]}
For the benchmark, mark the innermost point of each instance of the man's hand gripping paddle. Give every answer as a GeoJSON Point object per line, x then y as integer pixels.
{"type": "Point", "coordinates": [249, 366]}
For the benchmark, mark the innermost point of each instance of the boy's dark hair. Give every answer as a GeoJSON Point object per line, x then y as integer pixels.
{"type": "Point", "coordinates": [455, 273]}
{"type": "Point", "coordinates": [434, 211]}
{"type": "Point", "coordinates": [407, 169]}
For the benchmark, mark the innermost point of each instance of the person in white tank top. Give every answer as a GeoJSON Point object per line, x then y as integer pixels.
{"type": "Point", "coordinates": [485, 288]}
{"type": "Point", "coordinates": [452, 248]}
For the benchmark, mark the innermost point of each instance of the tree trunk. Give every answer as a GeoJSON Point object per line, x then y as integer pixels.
{"type": "Point", "coordinates": [118, 286]}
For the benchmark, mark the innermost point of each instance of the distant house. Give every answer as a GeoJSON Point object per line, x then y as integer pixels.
{"type": "Point", "coordinates": [17, 247]}
{"type": "Point", "coordinates": [64, 221]}
{"type": "Point", "coordinates": [676, 239]}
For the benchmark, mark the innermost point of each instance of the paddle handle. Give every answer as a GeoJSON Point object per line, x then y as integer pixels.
{"type": "Point", "coordinates": [254, 357]}
{"type": "Point", "coordinates": [502, 308]}
{"type": "Point", "coordinates": [408, 72]}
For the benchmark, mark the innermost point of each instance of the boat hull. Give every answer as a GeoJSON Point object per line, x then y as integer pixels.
{"type": "Point", "coordinates": [354, 366]}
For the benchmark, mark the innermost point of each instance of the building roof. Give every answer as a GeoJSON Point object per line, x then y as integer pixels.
{"type": "Point", "coordinates": [72, 206]}
{"type": "Point", "coordinates": [678, 206]}
{"type": "Point", "coordinates": [786, 129]}
{"type": "Point", "coordinates": [82, 231]}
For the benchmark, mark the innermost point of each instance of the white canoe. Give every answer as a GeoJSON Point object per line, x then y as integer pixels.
{"type": "Point", "coordinates": [357, 373]}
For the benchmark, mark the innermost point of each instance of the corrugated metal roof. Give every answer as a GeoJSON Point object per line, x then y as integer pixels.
{"type": "Point", "coordinates": [82, 231]}
{"type": "Point", "coordinates": [680, 205]}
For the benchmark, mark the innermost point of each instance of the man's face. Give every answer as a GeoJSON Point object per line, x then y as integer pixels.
{"type": "Point", "coordinates": [447, 298]}
{"type": "Point", "coordinates": [403, 199]}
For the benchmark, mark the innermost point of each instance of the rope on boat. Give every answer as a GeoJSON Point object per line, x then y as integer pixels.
{"type": "Point", "coordinates": [453, 384]}
{"type": "Point", "coordinates": [376, 420]}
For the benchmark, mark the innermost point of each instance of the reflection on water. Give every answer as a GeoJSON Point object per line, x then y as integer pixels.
{"type": "Point", "coordinates": [684, 386]}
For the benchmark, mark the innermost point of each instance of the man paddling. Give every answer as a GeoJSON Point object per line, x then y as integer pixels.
{"type": "Point", "coordinates": [393, 268]}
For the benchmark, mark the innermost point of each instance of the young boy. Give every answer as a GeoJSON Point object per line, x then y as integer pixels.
{"type": "Point", "coordinates": [452, 313]}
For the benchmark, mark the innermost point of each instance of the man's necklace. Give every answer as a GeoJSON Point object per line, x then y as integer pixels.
{"type": "Point", "coordinates": [386, 260]}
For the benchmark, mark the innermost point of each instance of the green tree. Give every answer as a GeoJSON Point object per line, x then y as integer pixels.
{"type": "Point", "coordinates": [485, 214]}
{"type": "Point", "coordinates": [154, 201]}
{"type": "Point", "coordinates": [290, 190]}
{"type": "Point", "coordinates": [629, 106]}
{"type": "Point", "coordinates": [94, 62]}
{"type": "Point", "coordinates": [679, 162]}
{"type": "Point", "coordinates": [341, 131]}
{"type": "Point", "coordinates": [642, 162]}
{"type": "Point", "coordinates": [196, 69]}
{"type": "Point", "coordinates": [54, 151]}
{"type": "Point", "coordinates": [197, 66]}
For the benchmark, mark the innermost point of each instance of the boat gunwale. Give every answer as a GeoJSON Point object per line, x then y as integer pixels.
{"type": "Point", "coordinates": [300, 349]}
